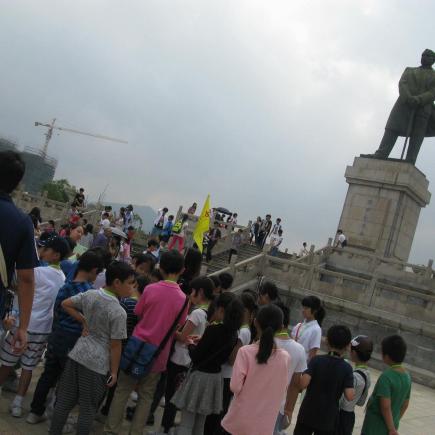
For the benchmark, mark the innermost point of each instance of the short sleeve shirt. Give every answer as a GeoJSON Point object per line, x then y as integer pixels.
{"type": "Point", "coordinates": [393, 385]}
{"type": "Point", "coordinates": [245, 339]}
{"type": "Point", "coordinates": [17, 238]}
{"type": "Point", "coordinates": [309, 334]}
{"type": "Point", "coordinates": [106, 321]}
{"type": "Point", "coordinates": [330, 376]}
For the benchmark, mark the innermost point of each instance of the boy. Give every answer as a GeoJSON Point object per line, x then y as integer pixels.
{"type": "Point", "coordinates": [161, 297]}
{"type": "Point", "coordinates": [326, 379]}
{"type": "Point", "coordinates": [235, 244]}
{"type": "Point", "coordinates": [361, 348]}
{"type": "Point", "coordinates": [66, 331]}
{"type": "Point", "coordinates": [226, 281]}
{"type": "Point", "coordinates": [390, 398]}
{"type": "Point", "coordinates": [48, 280]}
{"type": "Point", "coordinates": [275, 242]}
{"type": "Point", "coordinates": [93, 363]}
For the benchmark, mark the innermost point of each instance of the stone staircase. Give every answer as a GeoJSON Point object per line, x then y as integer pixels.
{"type": "Point", "coordinates": [220, 261]}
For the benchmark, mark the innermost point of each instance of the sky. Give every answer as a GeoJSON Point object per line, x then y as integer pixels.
{"type": "Point", "coordinates": [262, 104]}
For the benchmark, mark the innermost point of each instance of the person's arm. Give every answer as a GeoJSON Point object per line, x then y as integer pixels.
{"type": "Point", "coordinates": [25, 290]}
{"type": "Point", "coordinates": [313, 352]}
{"type": "Point", "coordinates": [304, 381]}
{"type": "Point", "coordinates": [70, 308]}
{"type": "Point", "coordinates": [205, 345]}
{"type": "Point", "coordinates": [239, 373]}
{"type": "Point", "coordinates": [115, 357]}
{"type": "Point", "coordinates": [183, 335]}
{"type": "Point", "coordinates": [292, 395]}
{"type": "Point", "coordinates": [349, 394]}
{"type": "Point", "coordinates": [404, 408]}
{"type": "Point", "coordinates": [385, 405]}
{"type": "Point", "coordinates": [233, 355]}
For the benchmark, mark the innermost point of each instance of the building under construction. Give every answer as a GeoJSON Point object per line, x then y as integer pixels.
{"type": "Point", "coordinates": [40, 168]}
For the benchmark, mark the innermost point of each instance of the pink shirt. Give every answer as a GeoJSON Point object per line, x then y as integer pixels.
{"type": "Point", "coordinates": [157, 309]}
{"type": "Point", "coordinates": [258, 391]}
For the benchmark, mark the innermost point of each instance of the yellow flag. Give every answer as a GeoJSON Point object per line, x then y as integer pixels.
{"type": "Point", "coordinates": [203, 224]}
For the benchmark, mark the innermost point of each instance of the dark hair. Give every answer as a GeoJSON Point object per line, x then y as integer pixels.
{"type": "Point", "coordinates": [152, 242]}
{"type": "Point", "coordinates": [269, 318]}
{"type": "Point", "coordinates": [270, 289]}
{"type": "Point", "coordinates": [339, 336]}
{"type": "Point", "coordinates": [155, 273]}
{"type": "Point", "coordinates": [192, 262]}
{"type": "Point", "coordinates": [315, 304]}
{"type": "Point", "coordinates": [165, 209]}
{"type": "Point", "coordinates": [234, 310]}
{"type": "Point", "coordinates": [172, 262]}
{"type": "Point", "coordinates": [363, 347]}
{"type": "Point", "coordinates": [145, 259]}
{"type": "Point", "coordinates": [71, 227]}
{"type": "Point", "coordinates": [248, 301]}
{"type": "Point", "coordinates": [52, 223]}
{"type": "Point", "coordinates": [118, 270]}
{"type": "Point", "coordinates": [71, 243]}
{"type": "Point", "coordinates": [59, 245]}
{"type": "Point", "coordinates": [226, 280]}
{"type": "Point", "coordinates": [103, 253]}
{"type": "Point", "coordinates": [81, 189]}
{"type": "Point", "coordinates": [285, 313]}
{"type": "Point", "coordinates": [90, 260]}
{"type": "Point", "coordinates": [89, 228]}
{"type": "Point", "coordinates": [36, 212]}
{"type": "Point", "coordinates": [394, 347]}
{"type": "Point", "coordinates": [12, 168]}
{"type": "Point", "coordinates": [216, 281]}
{"type": "Point", "coordinates": [205, 284]}
{"type": "Point", "coordinates": [142, 282]}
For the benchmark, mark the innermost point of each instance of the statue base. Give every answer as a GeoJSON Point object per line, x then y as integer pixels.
{"type": "Point", "coordinates": [382, 206]}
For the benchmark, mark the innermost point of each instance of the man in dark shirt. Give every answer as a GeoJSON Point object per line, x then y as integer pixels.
{"type": "Point", "coordinates": [213, 236]}
{"type": "Point", "coordinates": [327, 378]}
{"type": "Point", "coordinates": [17, 242]}
{"type": "Point", "coordinates": [79, 199]}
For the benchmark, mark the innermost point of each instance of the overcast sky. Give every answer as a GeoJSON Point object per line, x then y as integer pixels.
{"type": "Point", "coordinates": [262, 104]}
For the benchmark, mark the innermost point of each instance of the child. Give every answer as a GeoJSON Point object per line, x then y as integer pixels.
{"type": "Point", "coordinates": [143, 264]}
{"type": "Point", "coordinates": [179, 233]}
{"type": "Point", "coordinates": [48, 281]}
{"type": "Point", "coordinates": [235, 244]}
{"type": "Point", "coordinates": [260, 379]}
{"type": "Point", "coordinates": [167, 229]}
{"type": "Point", "coordinates": [161, 297]}
{"type": "Point", "coordinates": [327, 378]}
{"type": "Point", "coordinates": [268, 293]}
{"type": "Point", "coordinates": [309, 332]}
{"type": "Point", "coordinates": [390, 398]}
{"type": "Point", "coordinates": [201, 392]}
{"type": "Point", "coordinates": [226, 281]}
{"type": "Point", "coordinates": [93, 363]}
{"type": "Point", "coordinates": [298, 364]}
{"type": "Point", "coordinates": [65, 333]}
{"type": "Point", "coordinates": [201, 296]}
{"type": "Point", "coordinates": [361, 348]}
{"type": "Point", "coordinates": [275, 242]}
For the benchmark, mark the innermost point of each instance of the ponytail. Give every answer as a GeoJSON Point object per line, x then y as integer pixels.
{"type": "Point", "coordinates": [270, 320]}
{"type": "Point", "coordinates": [316, 306]}
{"type": "Point", "coordinates": [319, 315]}
{"type": "Point", "coordinates": [266, 345]}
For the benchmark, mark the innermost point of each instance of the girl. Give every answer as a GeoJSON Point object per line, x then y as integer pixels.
{"type": "Point", "coordinates": [201, 296]}
{"type": "Point", "coordinates": [201, 392]}
{"type": "Point", "coordinates": [260, 379]}
{"type": "Point", "coordinates": [179, 233]}
{"type": "Point", "coordinates": [309, 332]}
{"type": "Point", "coordinates": [88, 237]}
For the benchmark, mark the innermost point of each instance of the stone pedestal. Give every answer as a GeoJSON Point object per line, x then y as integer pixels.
{"type": "Point", "coordinates": [382, 206]}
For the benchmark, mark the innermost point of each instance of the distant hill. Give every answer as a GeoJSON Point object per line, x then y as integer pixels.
{"type": "Point", "coordinates": [147, 214]}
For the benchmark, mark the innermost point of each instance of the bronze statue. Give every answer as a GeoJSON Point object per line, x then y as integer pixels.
{"type": "Point", "coordinates": [413, 114]}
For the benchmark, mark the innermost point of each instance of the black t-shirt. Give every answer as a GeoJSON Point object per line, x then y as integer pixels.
{"type": "Point", "coordinates": [329, 377]}
{"type": "Point", "coordinates": [213, 349]}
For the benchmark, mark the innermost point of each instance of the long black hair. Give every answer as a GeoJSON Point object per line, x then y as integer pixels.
{"type": "Point", "coordinates": [234, 310]}
{"type": "Point", "coordinates": [315, 304]}
{"type": "Point", "coordinates": [270, 319]}
{"type": "Point", "coordinates": [205, 284]}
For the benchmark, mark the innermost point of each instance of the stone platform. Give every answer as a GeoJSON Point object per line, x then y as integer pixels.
{"type": "Point", "coordinates": [418, 420]}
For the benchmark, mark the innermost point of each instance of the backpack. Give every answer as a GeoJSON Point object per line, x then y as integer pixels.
{"type": "Point", "coordinates": [178, 226]}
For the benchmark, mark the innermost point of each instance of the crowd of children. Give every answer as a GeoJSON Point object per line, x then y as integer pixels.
{"type": "Point", "coordinates": [149, 326]}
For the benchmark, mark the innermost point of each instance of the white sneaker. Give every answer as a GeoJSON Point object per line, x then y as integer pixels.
{"type": "Point", "coordinates": [16, 410]}
{"type": "Point", "coordinates": [35, 418]}
{"type": "Point", "coordinates": [133, 396]}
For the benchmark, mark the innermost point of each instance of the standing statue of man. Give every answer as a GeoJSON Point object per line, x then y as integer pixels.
{"type": "Point", "coordinates": [413, 114]}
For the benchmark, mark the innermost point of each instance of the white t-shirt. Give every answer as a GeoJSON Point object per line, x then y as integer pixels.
{"type": "Point", "coordinates": [245, 339]}
{"type": "Point", "coordinates": [181, 354]}
{"type": "Point", "coordinates": [48, 281]}
{"type": "Point", "coordinates": [309, 334]}
{"type": "Point", "coordinates": [298, 360]}
{"type": "Point", "coordinates": [105, 223]}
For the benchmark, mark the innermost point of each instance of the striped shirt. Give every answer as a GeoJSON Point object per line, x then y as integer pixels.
{"type": "Point", "coordinates": [128, 304]}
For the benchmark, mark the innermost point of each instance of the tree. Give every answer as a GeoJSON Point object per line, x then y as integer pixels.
{"type": "Point", "coordinates": [137, 219]}
{"type": "Point", "coordinates": [59, 190]}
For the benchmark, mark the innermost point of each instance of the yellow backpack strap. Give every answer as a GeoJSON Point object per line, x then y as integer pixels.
{"type": "Point", "coordinates": [3, 270]}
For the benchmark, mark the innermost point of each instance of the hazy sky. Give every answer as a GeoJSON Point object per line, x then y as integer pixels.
{"type": "Point", "coordinates": [262, 104]}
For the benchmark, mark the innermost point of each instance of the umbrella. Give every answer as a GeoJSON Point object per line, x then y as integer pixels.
{"type": "Point", "coordinates": [223, 210]}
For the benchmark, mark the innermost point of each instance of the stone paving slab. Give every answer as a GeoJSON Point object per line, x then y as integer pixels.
{"type": "Point", "coordinates": [418, 420]}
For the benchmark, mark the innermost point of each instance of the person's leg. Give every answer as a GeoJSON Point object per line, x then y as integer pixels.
{"type": "Point", "coordinates": [109, 397]}
{"type": "Point", "coordinates": [416, 139]}
{"type": "Point", "coordinates": [212, 423]}
{"type": "Point", "coordinates": [25, 378]}
{"type": "Point", "coordinates": [302, 429]}
{"type": "Point", "coordinates": [158, 394]}
{"type": "Point", "coordinates": [171, 243]}
{"type": "Point", "coordinates": [181, 241]}
{"type": "Point", "coordinates": [67, 397]}
{"type": "Point", "coordinates": [187, 423]}
{"type": "Point", "coordinates": [145, 392]}
{"type": "Point", "coordinates": [91, 390]}
{"type": "Point", "coordinates": [387, 144]}
{"type": "Point", "coordinates": [174, 370]}
{"type": "Point", "coordinates": [115, 418]}
{"type": "Point", "coordinates": [4, 373]}
{"type": "Point", "coordinates": [198, 428]}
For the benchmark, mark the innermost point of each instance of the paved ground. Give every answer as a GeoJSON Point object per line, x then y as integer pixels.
{"type": "Point", "coordinates": [419, 420]}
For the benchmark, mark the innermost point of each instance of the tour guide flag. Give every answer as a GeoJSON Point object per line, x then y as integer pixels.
{"type": "Point", "coordinates": [203, 224]}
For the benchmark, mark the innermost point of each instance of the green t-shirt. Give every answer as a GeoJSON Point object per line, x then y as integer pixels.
{"type": "Point", "coordinates": [391, 384]}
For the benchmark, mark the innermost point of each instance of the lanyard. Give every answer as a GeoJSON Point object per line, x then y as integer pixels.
{"type": "Point", "coordinates": [396, 366]}
{"type": "Point", "coordinates": [170, 281]}
{"type": "Point", "coordinates": [282, 333]}
{"type": "Point", "coordinates": [216, 323]}
{"type": "Point", "coordinates": [55, 266]}
{"type": "Point", "coordinates": [108, 292]}
{"type": "Point", "coordinates": [203, 306]}
{"type": "Point", "coordinates": [244, 326]}
{"type": "Point", "coordinates": [335, 354]}
{"type": "Point", "coordinates": [361, 366]}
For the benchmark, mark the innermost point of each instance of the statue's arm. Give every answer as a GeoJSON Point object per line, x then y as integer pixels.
{"type": "Point", "coordinates": [427, 97]}
{"type": "Point", "coordinates": [404, 92]}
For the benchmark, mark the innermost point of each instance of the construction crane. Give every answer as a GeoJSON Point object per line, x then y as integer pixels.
{"type": "Point", "coordinates": [51, 127]}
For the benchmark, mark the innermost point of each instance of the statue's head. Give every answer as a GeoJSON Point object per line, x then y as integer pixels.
{"type": "Point", "coordinates": [427, 57]}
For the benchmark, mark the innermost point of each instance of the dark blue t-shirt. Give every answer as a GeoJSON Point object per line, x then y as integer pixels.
{"type": "Point", "coordinates": [17, 237]}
